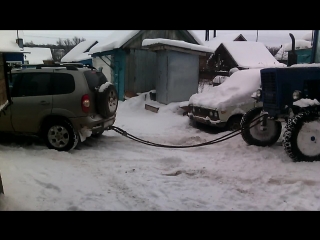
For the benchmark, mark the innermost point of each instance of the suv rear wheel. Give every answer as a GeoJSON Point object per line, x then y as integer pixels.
{"type": "Point", "coordinates": [107, 101]}
{"type": "Point", "coordinates": [60, 135]}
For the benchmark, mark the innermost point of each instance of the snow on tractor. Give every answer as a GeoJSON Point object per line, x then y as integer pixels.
{"type": "Point", "coordinates": [290, 95]}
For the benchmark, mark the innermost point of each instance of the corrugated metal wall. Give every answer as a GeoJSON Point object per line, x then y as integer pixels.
{"type": "Point", "coordinates": [140, 71]}
{"type": "Point", "coordinates": [178, 76]}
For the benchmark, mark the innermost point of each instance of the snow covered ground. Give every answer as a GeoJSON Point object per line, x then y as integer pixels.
{"type": "Point", "coordinates": [116, 173]}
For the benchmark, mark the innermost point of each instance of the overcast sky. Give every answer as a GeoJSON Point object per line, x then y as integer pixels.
{"type": "Point", "coordinates": [268, 37]}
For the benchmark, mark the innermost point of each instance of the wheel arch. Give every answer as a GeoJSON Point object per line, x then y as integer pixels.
{"type": "Point", "coordinates": [51, 118]}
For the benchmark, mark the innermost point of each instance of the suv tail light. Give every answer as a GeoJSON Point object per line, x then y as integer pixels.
{"type": "Point", "coordinates": [85, 103]}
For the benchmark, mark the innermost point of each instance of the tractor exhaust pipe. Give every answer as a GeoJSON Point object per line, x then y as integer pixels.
{"type": "Point", "coordinates": [292, 56]}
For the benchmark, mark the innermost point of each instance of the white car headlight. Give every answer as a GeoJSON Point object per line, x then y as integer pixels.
{"type": "Point", "coordinates": [296, 95]}
{"type": "Point", "coordinates": [211, 113]}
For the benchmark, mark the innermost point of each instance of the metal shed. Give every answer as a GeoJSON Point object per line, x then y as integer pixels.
{"type": "Point", "coordinates": [177, 72]}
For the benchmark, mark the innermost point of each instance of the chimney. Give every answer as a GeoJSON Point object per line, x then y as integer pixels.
{"type": "Point", "coordinates": [19, 41]}
{"type": "Point", "coordinates": [207, 35]}
{"type": "Point", "coordinates": [214, 33]}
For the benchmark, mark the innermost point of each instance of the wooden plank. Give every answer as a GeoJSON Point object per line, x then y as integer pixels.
{"type": "Point", "coordinates": [151, 108]}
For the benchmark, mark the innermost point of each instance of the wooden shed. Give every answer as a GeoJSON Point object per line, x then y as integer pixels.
{"type": "Point", "coordinates": [131, 68]}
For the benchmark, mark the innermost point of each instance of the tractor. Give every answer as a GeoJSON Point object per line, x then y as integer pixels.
{"type": "Point", "coordinates": [290, 96]}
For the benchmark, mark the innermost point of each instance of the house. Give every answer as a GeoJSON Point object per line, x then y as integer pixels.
{"type": "Point", "coordinates": [207, 72]}
{"type": "Point", "coordinates": [36, 55]}
{"type": "Point", "coordinates": [80, 53]}
{"type": "Point", "coordinates": [129, 66]}
{"type": "Point", "coordinates": [11, 44]}
{"type": "Point", "coordinates": [242, 55]}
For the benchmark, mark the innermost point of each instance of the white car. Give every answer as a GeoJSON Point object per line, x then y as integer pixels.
{"type": "Point", "coordinates": [224, 105]}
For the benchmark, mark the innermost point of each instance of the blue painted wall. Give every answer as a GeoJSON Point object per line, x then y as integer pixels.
{"type": "Point", "coordinates": [14, 57]}
{"type": "Point", "coordinates": [86, 61]}
{"type": "Point", "coordinates": [119, 66]}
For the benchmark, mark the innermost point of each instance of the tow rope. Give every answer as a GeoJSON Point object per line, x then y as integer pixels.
{"type": "Point", "coordinates": [217, 140]}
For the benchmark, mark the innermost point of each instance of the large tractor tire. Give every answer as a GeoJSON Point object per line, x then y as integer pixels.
{"type": "Point", "coordinates": [300, 138]}
{"type": "Point", "coordinates": [254, 135]}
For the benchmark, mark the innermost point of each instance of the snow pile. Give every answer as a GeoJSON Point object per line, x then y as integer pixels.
{"type": "Point", "coordinates": [176, 43]}
{"type": "Point", "coordinates": [214, 43]}
{"type": "Point", "coordinates": [308, 36]}
{"type": "Point", "coordinates": [8, 41]}
{"type": "Point", "coordinates": [251, 54]}
{"type": "Point", "coordinates": [303, 65]}
{"type": "Point", "coordinates": [37, 54]}
{"type": "Point", "coordinates": [299, 44]}
{"type": "Point", "coordinates": [306, 102]}
{"type": "Point", "coordinates": [234, 91]}
{"type": "Point", "coordinates": [104, 86]}
{"type": "Point", "coordinates": [79, 52]}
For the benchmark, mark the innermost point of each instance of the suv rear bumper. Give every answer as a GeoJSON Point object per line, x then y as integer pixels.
{"type": "Point", "coordinates": [92, 123]}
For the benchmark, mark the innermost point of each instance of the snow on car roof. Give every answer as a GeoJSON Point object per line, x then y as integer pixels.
{"type": "Point", "coordinates": [234, 91]}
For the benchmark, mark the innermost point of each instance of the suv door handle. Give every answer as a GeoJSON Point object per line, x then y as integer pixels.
{"type": "Point", "coordinates": [44, 103]}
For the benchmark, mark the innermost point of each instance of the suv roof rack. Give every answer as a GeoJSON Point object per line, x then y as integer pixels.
{"type": "Point", "coordinates": [76, 64]}
{"type": "Point", "coordinates": [69, 67]}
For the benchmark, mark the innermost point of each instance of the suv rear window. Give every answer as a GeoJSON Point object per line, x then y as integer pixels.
{"type": "Point", "coordinates": [95, 79]}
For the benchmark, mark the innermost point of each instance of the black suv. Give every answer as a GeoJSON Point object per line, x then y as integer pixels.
{"type": "Point", "coordinates": [60, 103]}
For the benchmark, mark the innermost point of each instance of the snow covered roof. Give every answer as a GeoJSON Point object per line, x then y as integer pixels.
{"type": "Point", "coordinates": [249, 54]}
{"type": "Point", "coordinates": [119, 37]}
{"type": "Point", "coordinates": [234, 91]}
{"type": "Point", "coordinates": [37, 54]}
{"type": "Point", "coordinates": [281, 54]}
{"type": "Point", "coordinates": [78, 53]}
{"type": "Point", "coordinates": [8, 41]}
{"type": "Point", "coordinates": [214, 43]}
{"type": "Point", "coordinates": [299, 44]}
{"type": "Point", "coordinates": [308, 36]}
{"type": "Point", "coordinates": [176, 43]}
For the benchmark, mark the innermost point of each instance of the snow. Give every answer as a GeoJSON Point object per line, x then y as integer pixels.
{"type": "Point", "coordinates": [8, 40]}
{"type": "Point", "coordinates": [234, 91]}
{"type": "Point", "coordinates": [114, 40]}
{"type": "Point", "coordinates": [214, 43]}
{"type": "Point", "coordinates": [281, 54]}
{"type": "Point", "coordinates": [251, 54]}
{"type": "Point", "coordinates": [299, 44]}
{"type": "Point", "coordinates": [308, 36]}
{"type": "Point", "coordinates": [78, 53]}
{"type": "Point", "coordinates": [119, 37]}
{"type": "Point", "coordinates": [305, 102]}
{"type": "Point", "coordinates": [104, 86]}
{"type": "Point", "coordinates": [36, 55]}
{"type": "Point", "coordinates": [176, 43]}
{"type": "Point", "coordinates": [115, 173]}
{"type": "Point", "coordinates": [303, 65]}
{"type": "Point", "coordinates": [2, 106]}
